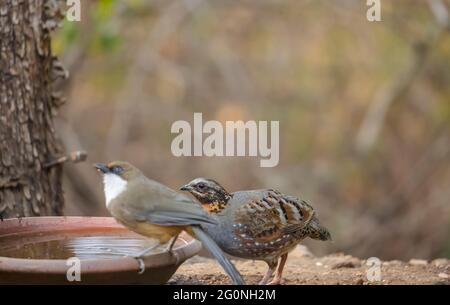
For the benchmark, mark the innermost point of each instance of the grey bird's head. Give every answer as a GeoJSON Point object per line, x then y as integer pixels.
{"type": "Point", "coordinates": [209, 193]}
{"type": "Point", "coordinates": [116, 176]}
{"type": "Point", "coordinates": [122, 169]}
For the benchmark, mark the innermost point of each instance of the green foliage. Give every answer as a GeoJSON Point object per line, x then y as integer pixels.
{"type": "Point", "coordinates": [99, 29]}
{"type": "Point", "coordinates": [66, 37]}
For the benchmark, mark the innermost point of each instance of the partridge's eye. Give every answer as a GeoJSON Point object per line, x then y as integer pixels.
{"type": "Point", "coordinates": [117, 170]}
{"type": "Point", "coordinates": [201, 186]}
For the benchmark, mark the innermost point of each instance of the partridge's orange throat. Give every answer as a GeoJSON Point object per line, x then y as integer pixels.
{"type": "Point", "coordinates": [213, 197]}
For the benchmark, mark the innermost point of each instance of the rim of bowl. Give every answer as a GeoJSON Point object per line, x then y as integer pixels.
{"type": "Point", "coordinates": [32, 225]}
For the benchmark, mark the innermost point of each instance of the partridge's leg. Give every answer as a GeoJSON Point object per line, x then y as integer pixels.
{"type": "Point", "coordinates": [277, 279]}
{"type": "Point", "coordinates": [272, 266]}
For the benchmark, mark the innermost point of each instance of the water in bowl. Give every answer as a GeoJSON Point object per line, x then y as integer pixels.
{"type": "Point", "coordinates": [102, 245]}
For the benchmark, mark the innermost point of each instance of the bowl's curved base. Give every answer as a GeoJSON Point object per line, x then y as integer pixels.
{"type": "Point", "coordinates": [155, 276]}
{"type": "Point", "coordinates": [159, 267]}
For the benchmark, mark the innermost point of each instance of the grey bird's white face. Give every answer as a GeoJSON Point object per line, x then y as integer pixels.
{"type": "Point", "coordinates": [113, 186]}
{"type": "Point", "coordinates": [115, 179]}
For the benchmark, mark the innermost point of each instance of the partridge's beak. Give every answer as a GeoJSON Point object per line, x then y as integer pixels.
{"type": "Point", "coordinates": [102, 168]}
{"type": "Point", "coordinates": [186, 187]}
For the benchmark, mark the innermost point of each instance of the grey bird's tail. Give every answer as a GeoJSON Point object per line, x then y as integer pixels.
{"type": "Point", "coordinates": [218, 254]}
{"type": "Point", "coordinates": [317, 231]}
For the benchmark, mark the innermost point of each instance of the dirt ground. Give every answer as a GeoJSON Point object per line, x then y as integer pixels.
{"type": "Point", "coordinates": [303, 268]}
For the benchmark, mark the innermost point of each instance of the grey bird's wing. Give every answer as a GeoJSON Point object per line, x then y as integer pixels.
{"type": "Point", "coordinates": [159, 204]}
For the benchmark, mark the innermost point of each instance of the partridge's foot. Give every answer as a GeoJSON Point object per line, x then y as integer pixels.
{"type": "Point", "coordinates": [268, 274]}
{"type": "Point", "coordinates": [277, 278]}
{"type": "Point", "coordinates": [275, 281]}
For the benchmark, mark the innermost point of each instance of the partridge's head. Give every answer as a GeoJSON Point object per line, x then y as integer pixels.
{"type": "Point", "coordinates": [210, 193]}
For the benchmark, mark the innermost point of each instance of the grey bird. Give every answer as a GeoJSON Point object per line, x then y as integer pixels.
{"type": "Point", "coordinates": [156, 211]}
{"type": "Point", "coordinates": [258, 224]}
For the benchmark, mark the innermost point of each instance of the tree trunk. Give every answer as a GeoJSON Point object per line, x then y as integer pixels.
{"type": "Point", "coordinates": [28, 185]}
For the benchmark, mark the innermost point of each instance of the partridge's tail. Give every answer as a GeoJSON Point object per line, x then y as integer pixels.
{"type": "Point", "coordinates": [209, 244]}
{"type": "Point", "coordinates": [317, 231]}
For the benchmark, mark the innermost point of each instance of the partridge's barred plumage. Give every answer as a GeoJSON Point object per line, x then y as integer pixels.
{"type": "Point", "coordinates": [257, 224]}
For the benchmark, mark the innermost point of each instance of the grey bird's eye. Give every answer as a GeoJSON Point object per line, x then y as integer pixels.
{"type": "Point", "coordinates": [201, 186]}
{"type": "Point", "coordinates": [117, 169]}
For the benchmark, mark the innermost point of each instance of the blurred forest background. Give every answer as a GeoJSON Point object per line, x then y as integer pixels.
{"type": "Point", "coordinates": [364, 107]}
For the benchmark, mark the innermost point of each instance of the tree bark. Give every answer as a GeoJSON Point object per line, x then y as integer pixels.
{"type": "Point", "coordinates": [27, 105]}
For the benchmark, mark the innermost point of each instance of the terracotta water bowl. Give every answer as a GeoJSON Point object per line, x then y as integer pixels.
{"type": "Point", "coordinates": [36, 250]}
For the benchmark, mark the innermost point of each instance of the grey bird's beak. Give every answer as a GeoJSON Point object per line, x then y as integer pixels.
{"type": "Point", "coordinates": [102, 167]}
{"type": "Point", "coordinates": [186, 187]}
